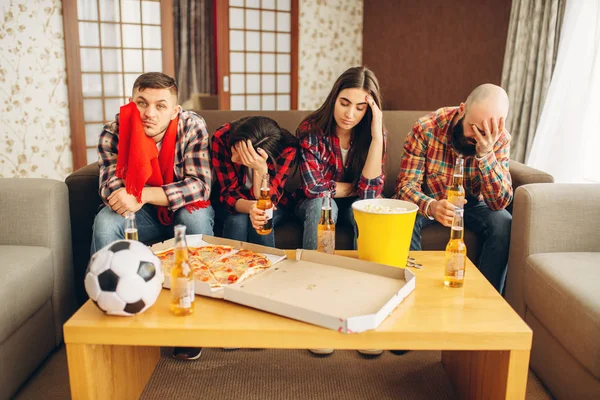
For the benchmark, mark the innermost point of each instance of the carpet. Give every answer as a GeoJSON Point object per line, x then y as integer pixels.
{"type": "Point", "coordinates": [279, 374]}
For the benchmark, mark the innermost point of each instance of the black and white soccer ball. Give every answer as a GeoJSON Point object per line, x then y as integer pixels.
{"type": "Point", "coordinates": [124, 278]}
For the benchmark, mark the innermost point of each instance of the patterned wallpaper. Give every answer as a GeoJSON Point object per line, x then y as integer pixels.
{"type": "Point", "coordinates": [34, 112]}
{"type": "Point", "coordinates": [330, 42]}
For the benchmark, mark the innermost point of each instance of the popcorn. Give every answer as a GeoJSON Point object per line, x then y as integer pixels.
{"type": "Point", "coordinates": [383, 209]}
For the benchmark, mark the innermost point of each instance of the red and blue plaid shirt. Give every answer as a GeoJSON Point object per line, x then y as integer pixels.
{"type": "Point", "coordinates": [231, 177]}
{"type": "Point", "coordinates": [322, 166]}
{"type": "Point", "coordinates": [428, 161]}
{"type": "Point", "coordinates": [192, 174]}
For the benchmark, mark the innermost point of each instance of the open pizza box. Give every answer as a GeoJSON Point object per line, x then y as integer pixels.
{"type": "Point", "coordinates": [340, 293]}
{"type": "Point", "coordinates": [202, 288]}
{"type": "Point", "coordinates": [335, 292]}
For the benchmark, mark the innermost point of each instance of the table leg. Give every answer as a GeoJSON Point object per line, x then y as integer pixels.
{"type": "Point", "coordinates": [110, 372]}
{"type": "Point", "coordinates": [487, 374]}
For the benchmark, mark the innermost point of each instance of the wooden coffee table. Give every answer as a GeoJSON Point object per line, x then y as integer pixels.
{"type": "Point", "coordinates": [485, 344]}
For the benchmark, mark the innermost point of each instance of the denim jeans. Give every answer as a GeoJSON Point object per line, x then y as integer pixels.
{"type": "Point", "coordinates": [309, 212]}
{"type": "Point", "coordinates": [110, 226]}
{"type": "Point", "coordinates": [238, 227]}
{"type": "Point", "coordinates": [493, 227]}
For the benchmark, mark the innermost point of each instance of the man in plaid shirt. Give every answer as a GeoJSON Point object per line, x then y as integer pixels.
{"type": "Point", "coordinates": [182, 196]}
{"type": "Point", "coordinates": [475, 131]}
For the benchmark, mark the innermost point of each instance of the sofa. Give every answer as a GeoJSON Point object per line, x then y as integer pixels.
{"type": "Point", "coordinates": [553, 283]}
{"type": "Point", "coordinates": [84, 199]}
{"type": "Point", "coordinates": [36, 275]}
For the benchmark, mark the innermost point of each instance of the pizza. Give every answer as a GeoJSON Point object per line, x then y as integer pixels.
{"type": "Point", "coordinates": [208, 254]}
{"type": "Point", "coordinates": [238, 266]}
{"type": "Point", "coordinates": [218, 265]}
{"type": "Point", "coordinates": [167, 260]}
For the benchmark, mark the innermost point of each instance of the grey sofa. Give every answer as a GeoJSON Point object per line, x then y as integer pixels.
{"type": "Point", "coordinates": [553, 283]}
{"type": "Point", "coordinates": [84, 199]}
{"type": "Point", "coordinates": [36, 275]}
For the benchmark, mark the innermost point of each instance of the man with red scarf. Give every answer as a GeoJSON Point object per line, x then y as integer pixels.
{"type": "Point", "coordinates": [154, 161]}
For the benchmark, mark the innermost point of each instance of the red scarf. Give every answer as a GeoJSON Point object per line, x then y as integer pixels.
{"type": "Point", "coordinates": [145, 166]}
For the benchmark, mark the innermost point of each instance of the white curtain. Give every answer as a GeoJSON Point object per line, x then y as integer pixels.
{"type": "Point", "coordinates": [567, 140]}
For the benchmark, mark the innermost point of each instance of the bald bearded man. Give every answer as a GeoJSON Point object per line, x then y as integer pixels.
{"type": "Point", "coordinates": [475, 131]}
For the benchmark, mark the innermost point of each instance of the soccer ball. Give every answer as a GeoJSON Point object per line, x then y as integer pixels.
{"type": "Point", "coordinates": [124, 278]}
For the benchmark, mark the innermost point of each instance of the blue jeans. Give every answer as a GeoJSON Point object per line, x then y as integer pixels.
{"type": "Point", "coordinates": [309, 212]}
{"type": "Point", "coordinates": [493, 227]}
{"type": "Point", "coordinates": [238, 227]}
{"type": "Point", "coordinates": [110, 226]}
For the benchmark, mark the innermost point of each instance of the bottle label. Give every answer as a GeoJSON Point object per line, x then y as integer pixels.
{"type": "Point", "coordinates": [182, 291]}
{"type": "Point", "coordinates": [455, 264]}
{"type": "Point", "coordinates": [269, 213]}
{"type": "Point", "coordinates": [456, 199]}
{"type": "Point", "coordinates": [326, 242]}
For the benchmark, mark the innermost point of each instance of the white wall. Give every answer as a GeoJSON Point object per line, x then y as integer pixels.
{"type": "Point", "coordinates": [34, 112]}
{"type": "Point", "coordinates": [330, 42]}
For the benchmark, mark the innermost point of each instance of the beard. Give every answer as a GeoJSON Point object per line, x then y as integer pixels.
{"type": "Point", "coordinates": [460, 143]}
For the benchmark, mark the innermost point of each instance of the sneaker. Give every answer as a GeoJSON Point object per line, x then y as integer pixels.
{"type": "Point", "coordinates": [399, 352]}
{"type": "Point", "coordinates": [370, 352]}
{"type": "Point", "coordinates": [187, 353]}
{"type": "Point", "coordinates": [321, 352]}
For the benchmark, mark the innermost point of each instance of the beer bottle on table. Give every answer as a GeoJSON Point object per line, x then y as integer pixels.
{"type": "Point", "coordinates": [326, 227]}
{"type": "Point", "coordinates": [456, 252]}
{"type": "Point", "coordinates": [131, 231]}
{"type": "Point", "coordinates": [265, 203]}
{"type": "Point", "coordinates": [182, 277]}
{"type": "Point", "coordinates": [456, 191]}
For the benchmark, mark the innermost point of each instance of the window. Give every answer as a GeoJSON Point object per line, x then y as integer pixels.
{"type": "Point", "coordinates": [109, 43]}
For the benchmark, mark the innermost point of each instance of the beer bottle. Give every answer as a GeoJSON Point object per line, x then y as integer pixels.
{"type": "Point", "coordinates": [182, 277]}
{"type": "Point", "coordinates": [326, 227]}
{"type": "Point", "coordinates": [456, 192]}
{"type": "Point", "coordinates": [456, 252]}
{"type": "Point", "coordinates": [265, 203]}
{"type": "Point", "coordinates": [131, 231]}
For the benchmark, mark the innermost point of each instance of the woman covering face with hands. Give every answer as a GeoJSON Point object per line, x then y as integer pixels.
{"type": "Point", "coordinates": [244, 151]}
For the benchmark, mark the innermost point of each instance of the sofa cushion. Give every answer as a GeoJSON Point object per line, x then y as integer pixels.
{"type": "Point", "coordinates": [562, 292]}
{"type": "Point", "coordinates": [26, 283]}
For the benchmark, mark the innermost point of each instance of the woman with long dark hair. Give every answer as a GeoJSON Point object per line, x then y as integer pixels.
{"type": "Point", "coordinates": [244, 151]}
{"type": "Point", "coordinates": [342, 151]}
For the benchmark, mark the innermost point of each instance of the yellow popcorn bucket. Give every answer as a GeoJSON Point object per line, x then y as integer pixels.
{"type": "Point", "coordinates": [385, 228]}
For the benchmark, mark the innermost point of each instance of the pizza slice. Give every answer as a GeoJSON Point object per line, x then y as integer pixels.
{"type": "Point", "coordinates": [208, 254]}
{"type": "Point", "coordinates": [251, 258]}
{"type": "Point", "coordinates": [167, 260]}
{"type": "Point", "coordinates": [238, 266]}
{"type": "Point", "coordinates": [202, 272]}
{"type": "Point", "coordinates": [227, 271]}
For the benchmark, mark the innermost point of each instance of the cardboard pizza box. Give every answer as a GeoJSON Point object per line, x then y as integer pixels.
{"type": "Point", "coordinates": [203, 288]}
{"type": "Point", "coordinates": [335, 292]}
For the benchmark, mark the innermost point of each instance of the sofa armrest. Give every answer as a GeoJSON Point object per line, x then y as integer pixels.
{"type": "Point", "coordinates": [35, 212]}
{"type": "Point", "coordinates": [84, 202]}
{"type": "Point", "coordinates": [522, 174]}
{"type": "Point", "coordinates": [556, 217]}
